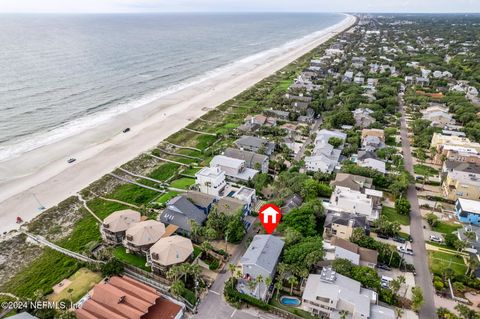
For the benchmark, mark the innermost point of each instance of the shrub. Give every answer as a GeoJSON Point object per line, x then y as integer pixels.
{"type": "Point", "coordinates": [213, 265]}
{"type": "Point", "coordinates": [438, 285]}
{"type": "Point", "coordinates": [232, 295]}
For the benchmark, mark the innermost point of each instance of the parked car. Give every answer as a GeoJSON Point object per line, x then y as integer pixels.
{"type": "Point", "coordinates": [71, 160]}
{"type": "Point", "coordinates": [405, 250]}
{"type": "Point", "coordinates": [380, 235]}
{"type": "Point", "coordinates": [399, 240]}
{"type": "Point", "coordinates": [384, 267]}
{"type": "Point", "coordinates": [436, 239]}
{"type": "Point", "coordinates": [126, 130]}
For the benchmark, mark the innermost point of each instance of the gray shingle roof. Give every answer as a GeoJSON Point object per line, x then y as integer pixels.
{"type": "Point", "coordinates": [180, 211]}
{"type": "Point", "coordinates": [250, 158]}
{"type": "Point", "coordinates": [264, 251]}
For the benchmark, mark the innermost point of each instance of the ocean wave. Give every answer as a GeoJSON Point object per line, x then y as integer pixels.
{"type": "Point", "coordinates": [74, 127]}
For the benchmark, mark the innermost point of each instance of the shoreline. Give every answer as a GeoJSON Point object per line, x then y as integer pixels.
{"type": "Point", "coordinates": [52, 180]}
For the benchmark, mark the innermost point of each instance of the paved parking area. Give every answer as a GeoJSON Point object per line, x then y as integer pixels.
{"type": "Point", "coordinates": [406, 289]}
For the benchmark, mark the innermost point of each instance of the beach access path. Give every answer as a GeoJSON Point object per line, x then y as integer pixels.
{"type": "Point", "coordinates": [44, 173]}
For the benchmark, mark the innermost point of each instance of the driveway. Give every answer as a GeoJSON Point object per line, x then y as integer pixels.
{"type": "Point", "coordinates": [315, 127]}
{"type": "Point", "coordinates": [213, 306]}
{"type": "Point", "coordinates": [423, 278]}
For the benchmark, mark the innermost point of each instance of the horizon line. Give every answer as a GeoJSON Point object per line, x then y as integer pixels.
{"type": "Point", "coordinates": [240, 12]}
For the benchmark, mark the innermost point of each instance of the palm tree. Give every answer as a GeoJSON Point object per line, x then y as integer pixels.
{"type": "Point", "coordinates": [398, 312]}
{"type": "Point", "coordinates": [278, 285]}
{"type": "Point", "coordinates": [259, 281]}
{"type": "Point", "coordinates": [173, 273]}
{"type": "Point", "coordinates": [473, 264]}
{"type": "Point", "coordinates": [232, 268]}
{"type": "Point", "coordinates": [195, 230]}
{"type": "Point", "coordinates": [292, 280]}
{"type": "Point", "coordinates": [343, 314]}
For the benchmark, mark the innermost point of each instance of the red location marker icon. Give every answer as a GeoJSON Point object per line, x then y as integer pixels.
{"type": "Point", "coordinates": [270, 216]}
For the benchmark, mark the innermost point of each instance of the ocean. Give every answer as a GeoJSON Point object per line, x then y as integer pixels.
{"type": "Point", "coordinates": [62, 74]}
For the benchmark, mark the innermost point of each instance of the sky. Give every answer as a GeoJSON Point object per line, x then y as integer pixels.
{"type": "Point", "coordinates": [126, 6]}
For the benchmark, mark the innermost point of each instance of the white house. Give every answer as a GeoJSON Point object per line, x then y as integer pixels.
{"type": "Point", "coordinates": [211, 180]}
{"type": "Point", "coordinates": [325, 157]}
{"type": "Point", "coordinates": [235, 169]}
{"type": "Point", "coordinates": [328, 294]}
{"type": "Point", "coordinates": [344, 199]}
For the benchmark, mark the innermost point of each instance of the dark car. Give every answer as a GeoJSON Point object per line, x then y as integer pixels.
{"type": "Point", "coordinates": [126, 130]}
{"type": "Point", "coordinates": [399, 240]}
{"type": "Point", "coordinates": [379, 235]}
{"type": "Point", "coordinates": [384, 267]}
{"type": "Point", "coordinates": [71, 160]}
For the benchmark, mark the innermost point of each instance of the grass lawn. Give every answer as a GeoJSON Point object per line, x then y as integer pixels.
{"type": "Point", "coordinates": [446, 228]}
{"type": "Point", "coordinates": [133, 194]}
{"type": "Point", "coordinates": [166, 197]}
{"type": "Point", "coordinates": [164, 172]}
{"type": "Point", "coordinates": [392, 215]}
{"type": "Point", "coordinates": [424, 170]}
{"type": "Point", "coordinates": [182, 183]}
{"type": "Point", "coordinates": [191, 171]}
{"type": "Point", "coordinates": [204, 141]}
{"type": "Point", "coordinates": [439, 261]}
{"type": "Point", "coordinates": [189, 296]}
{"type": "Point", "coordinates": [296, 311]}
{"type": "Point", "coordinates": [81, 282]}
{"type": "Point", "coordinates": [134, 260]}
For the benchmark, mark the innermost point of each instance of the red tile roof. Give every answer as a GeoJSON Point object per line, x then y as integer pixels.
{"type": "Point", "coordinates": [127, 298]}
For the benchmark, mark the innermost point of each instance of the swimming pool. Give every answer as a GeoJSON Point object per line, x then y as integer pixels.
{"type": "Point", "coordinates": [290, 301]}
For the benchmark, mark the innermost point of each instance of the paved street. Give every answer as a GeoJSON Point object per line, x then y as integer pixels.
{"type": "Point", "coordinates": [213, 306]}
{"type": "Point", "coordinates": [423, 278]}
{"type": "Point", "coordinates": [300, 153]}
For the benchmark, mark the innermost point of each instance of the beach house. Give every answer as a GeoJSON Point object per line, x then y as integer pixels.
{"type": "Point", "coordinates": [116, 224]}
{"type": "Point", "coordinates": [141, 236]}
{"type": "Point", "coordinates": [329, 294]}
{"type": "Point", "coordinates": [354, 182]}
{"type": "Point", "coordinates": [230, 206]}
{"type": "Point", "coordinates": [255, 144]}
{"type": "Point", "coordinates": [461, 181]}
{"type": "Point", "coordinates": [468, 211]}
{"type": "Point", "coordinates": [370, 159]}
{"type": "Point", "coordinates": [235, 169]}
{"type": "Point", "coordinates": [456, 153]}
{"type": "Point", "coordinates": [127, 298]}
{"type": "Point", "coordinates": [260, 259]}
{"type": "Point", "coordinates": [181, 212]}
{"type": "Point", "coordinates": [325, 157]}
{"type": "Point", "coordinates": [252, 160]}
{"type": "Point", "coordinates": [339, 248]}
{"type": "Point", "coordinates": [342, 225]}
{"type": "Point", "coordinates": [363, 117]}
{"type": "Point", "coordinates": [203, 201]}
{"type": "Point", "coordinates": [169, 251]}
{"type": "Point", "coordinates": [211, 180]}
{"type": "Point", "coordinates": [349, 201]}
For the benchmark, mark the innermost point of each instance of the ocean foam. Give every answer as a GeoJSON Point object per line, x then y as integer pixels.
{"type": "Point", "coordinates": [32, 142]}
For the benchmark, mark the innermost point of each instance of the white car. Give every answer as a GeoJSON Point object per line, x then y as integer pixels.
{"type": "Point", "coordinates": [436, 239]}
{"type": "Point", "coordinates": [404, 250]}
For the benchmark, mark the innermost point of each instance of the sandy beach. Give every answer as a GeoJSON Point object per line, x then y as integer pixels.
{"type": "Point", "coordinates": [44, 173]}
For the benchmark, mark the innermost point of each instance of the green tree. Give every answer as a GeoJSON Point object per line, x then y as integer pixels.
{"type": "Point", "coordinates": [292, 280]}
{"type": "Point", "coordinates": [417, 298]}
{"type": "Point", "coordinates": [177, 287]}
{"type": "Point", "coordinates": [112, 267]}
{"type": "Point", "coordinates": [466, 313]}
{"type": "Point", "coordinates": [335, 141]}
{"type": "Point", "coordinates": [235, 228]}
{"type": "Point", "coordinates": [402, 206]}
